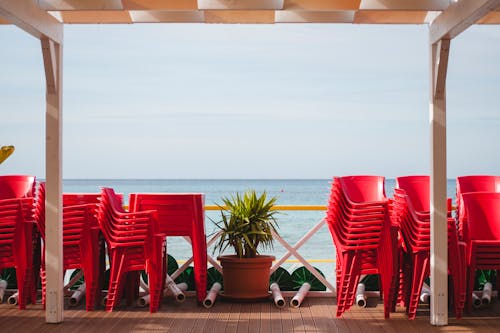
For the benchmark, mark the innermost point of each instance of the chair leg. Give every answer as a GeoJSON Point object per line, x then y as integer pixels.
{"type": "Point", "coordinates": [116, 279]}
{"type": "Point", "coordinates": [420, 272]}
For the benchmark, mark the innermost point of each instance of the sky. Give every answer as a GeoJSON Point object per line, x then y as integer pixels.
{"type": "Point", "coordinates": [191, 101]}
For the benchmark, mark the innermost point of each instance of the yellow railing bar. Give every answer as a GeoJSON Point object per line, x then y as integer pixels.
{"type": "Point", "coordinates": [280, 207]}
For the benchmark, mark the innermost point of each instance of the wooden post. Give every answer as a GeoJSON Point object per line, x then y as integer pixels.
{"type": "Point", "coordinates": [52, 59]}
{"type": "Point", "coordinates": [439, 232]}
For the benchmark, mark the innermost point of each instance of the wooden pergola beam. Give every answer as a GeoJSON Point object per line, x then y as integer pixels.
{"type": "Point", "coordinates": [458, 17]}
{"type": "Point", "coordinates": [29, 17]}
{"type": "Point", "coordinates": [433, 5]}
{"type": "Point", "coordinates": [439, 210]}
{"type": "Point", "coordinates": [52, 59]}
{"type": "Point", "coordinates": [449, 24]}
{"type": "Point", "coordinates": [61, 5]}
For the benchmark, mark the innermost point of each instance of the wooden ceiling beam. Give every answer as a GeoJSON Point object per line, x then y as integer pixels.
{"type": "Point", "coordinates": [29, 17]}
{"type": "Point", "coordinates": [61, 5]}
{"type": "Point", "coordinates": [409, 5]}
{"type": "Point", "coordinates": [458, 17]}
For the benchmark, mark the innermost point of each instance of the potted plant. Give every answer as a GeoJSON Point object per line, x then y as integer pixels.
{"type": "Point", "coordinates": [248, 222]}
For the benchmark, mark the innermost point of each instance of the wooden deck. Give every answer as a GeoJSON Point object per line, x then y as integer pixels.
{"type": "Point", "coordinates": [315, 315]}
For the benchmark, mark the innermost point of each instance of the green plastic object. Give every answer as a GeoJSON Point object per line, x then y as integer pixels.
{"type": "Point", "coordinates": [188, 277]}
{"type": "Point", "coordinates": [9, 275]}
{"type": "Point", "coordinates": [302, 275]}
{"type": "Point", "coordinates": [282, 278]}
{"type": "Point", "coordinates": [79, 282]}
{"type": "Point", "coordinates": [172, 265]}
{"type": "Point", "coordinates": [213, 276]}
{"type": "Point", "coordinates": [371, 282]}
{"type": "Point", "coordinates": [483, 276]}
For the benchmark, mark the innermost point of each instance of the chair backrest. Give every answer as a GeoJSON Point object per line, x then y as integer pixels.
{"type": "Point", "coordinates": [118, 226]}
{"type": "Point", "coordinates": [363, 188]}
{"type": "Point", "coordinates": [417, 189]}
{"type": "Point", "coordinates": [178, 213]}
{"type": "Point", "coordinates": [478, 183]}
{"type": "Point", "coordinates": [483, 215]}
{"type": "Point", "coordinates": [16, 186]}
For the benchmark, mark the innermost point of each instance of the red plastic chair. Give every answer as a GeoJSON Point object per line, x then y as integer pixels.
{"type": "Point", "coordinates": [82, 244]}
{"type": "Point", "coordinates": [180, 214]}
{"type": "Point", "coordinates": [133, 245]}
{"type": "Point", "coordinates": [16, 231]}
{"type": "Point", "coordinates": [358, 219]}
{"type": "Point", "coordinates": [473, 183]}
{"type": "Point", "coordinates": [16, 244]}
{"type": "Point", "coordinates": [411, 212]}
{"type": "Point", "coordinates": [16, 186]}
{"type": "Point", "coordinates": [482, 231]}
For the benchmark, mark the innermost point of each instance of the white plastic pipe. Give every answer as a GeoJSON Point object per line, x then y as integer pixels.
{"type": "Point", "coordinates": [279, 301]}
{"type": "Point", "coordinates": [143, 301]}
{"type": "Point", "coordinates": [476, 301]}
{"type": "Point", "coordinates": [3, 286]}
{"type": "Point", "coordinates": [425, 294]}
{"type": "Point", "coordinates": [77, 295]}
{"type": "Point", "coordinates": [361, 295]}
{"type": "Point", "coordinates": [209, 301]}
{"type": "Point", "coordinates": [487, 290]}
{"type": "Point", "coordinates": [173, 289]}
{"type": "Point", "coordinates": [300, 295]}
{"type": "Point", "coordinates": [12, 300]}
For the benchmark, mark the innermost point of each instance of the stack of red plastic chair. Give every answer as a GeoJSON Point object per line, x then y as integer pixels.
{"type": "Point", "coordinates": [359, 222]}
{"type": "Point", "coordinates": [180, 214]}
{"type": "Point", "coordinates": [81, 241]}
{"type": "Point", "coordinates": [411, 212]}
{"type": "Point", "coordinates": [473, 183]}
{"type": "Point", "coordinates": [482, 234]}
{"type": "Point", "coordinates": [16, 231]}
{"type": "Point", "coordinates": [133, 245]}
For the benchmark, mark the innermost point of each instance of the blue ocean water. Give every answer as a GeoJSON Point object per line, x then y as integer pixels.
{"type": "Point", "coordinates": [293, 225]}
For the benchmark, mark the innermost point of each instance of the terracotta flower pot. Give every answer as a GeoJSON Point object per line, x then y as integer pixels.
{"type": "Point", "coordinates": [246, 279]}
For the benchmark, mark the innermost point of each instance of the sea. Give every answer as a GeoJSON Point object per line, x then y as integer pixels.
{"type": "Point", "coordinates": [293, 225]}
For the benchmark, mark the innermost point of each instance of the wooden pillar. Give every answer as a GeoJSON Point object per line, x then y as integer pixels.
{"type": "Point", "coordinates": [52, 59]}
{"type": "Point", "coordinates": [439, 237]}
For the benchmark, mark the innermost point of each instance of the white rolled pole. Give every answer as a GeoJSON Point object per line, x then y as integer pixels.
{"type": "Point", "coordinates": [361, 295]}
{"type": "Point", "coordinates": [143, 301]}
{"type": "Point", "coordinates": [12, 300]}
{"type": "Point", "coordinates": [476, 301]}
{"type": "Point", "coordinates": [173, 289]}
{"type": "Point", "coordinates": [300, 295]}
{"type": "Point", "coordinates": [425, 294]}
{"type": "Point", "coordinates": [3, 286]}
{"type": "Point", "coordinates": [279, 301]}
{"type": "Point", "coordinates": [77, 295]}
{"type": "Point", "coordinates": [209, 301]}
{"type": "Point", "coordinates": [487, 290]}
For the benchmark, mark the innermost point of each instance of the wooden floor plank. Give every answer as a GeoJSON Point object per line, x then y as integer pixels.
{"type": "Point", "coordinates": [243, 323]}
{"type": "Point", "coordinates": [275, 317]}
{"type": "Point", "coordinates": [265, 317]}
{"type": "Point", "coordinates": [314, 315]}
{"type": "Point", "coordinates": [234, 317]}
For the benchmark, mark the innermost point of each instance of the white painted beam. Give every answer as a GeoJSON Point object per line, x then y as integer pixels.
{"type": "Point", "coordinates": [59, 5]}
{"type": "Point", "coordinates": [29, 17]}
{"type": "Point", "coordinates": [52, 58]}
{"type": "Point", "coordinates": [458, 17]}
{"type": "Point", "coordinates": [426, 5]}
{"type": "Point", "coordinates": [439, 231]}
